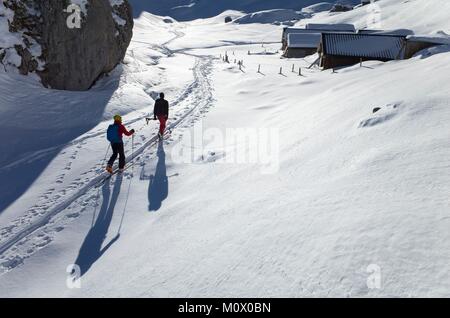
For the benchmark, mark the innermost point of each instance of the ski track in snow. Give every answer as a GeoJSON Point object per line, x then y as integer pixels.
{"type": "Point", "coordinates": [100, 132]}
{"type": "Point", "coordinates": [37, 227]}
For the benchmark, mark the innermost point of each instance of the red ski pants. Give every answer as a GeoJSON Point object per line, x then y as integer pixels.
{"type": "Point", "coordinates": [162, 123]}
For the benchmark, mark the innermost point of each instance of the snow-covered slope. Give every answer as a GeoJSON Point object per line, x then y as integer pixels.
{"type": "Point", "coordinates": [318, 7]}
{"type": "Point", "coordinates": [423, 16]}
{"type": "Point", "coordinates": [269, 16]}
{"type": "Point", "coordinates": [185, 10]}
{"type": "Point", "coordinates": [330, 194]}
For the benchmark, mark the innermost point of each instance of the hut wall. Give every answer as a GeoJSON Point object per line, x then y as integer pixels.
{"type": "Point", "coordinates": [335, 61]}
{"type": "Point", "coordinates": [299, 52]}
{"type": "Point", "coordinates": [412, 47]}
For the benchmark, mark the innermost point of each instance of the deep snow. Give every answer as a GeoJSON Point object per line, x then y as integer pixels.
{"type": "Point", "coordinates": [338, 192]}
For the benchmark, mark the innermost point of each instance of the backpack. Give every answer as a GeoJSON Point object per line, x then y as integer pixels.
{"type": "Point", "coordinates": [112, 134]}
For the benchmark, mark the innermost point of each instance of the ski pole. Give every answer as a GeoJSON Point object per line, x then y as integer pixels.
{"type": "Point", "coordinates": [132, 154]}
{"type": "Point", "coordinates": [98, 191]}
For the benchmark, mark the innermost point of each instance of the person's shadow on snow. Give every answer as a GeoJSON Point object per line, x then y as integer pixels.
{"type": "Point", "coordinates": [91, 249]}
{"type": "Point", "coordinates": [158, 188]}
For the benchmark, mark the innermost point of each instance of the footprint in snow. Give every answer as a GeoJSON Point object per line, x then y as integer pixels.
{"type": "Point", "coordinates": [380, 115]}
{"type": "Point", "coordinates": [11, 263]}
{"type": "Point", "coordinates": [73, 215]}
{"type": "Point", "coordinates": [211, 156]}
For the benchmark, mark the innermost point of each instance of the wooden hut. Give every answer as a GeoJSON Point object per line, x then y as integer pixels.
{"type": "Point", "coordinates": [287, 31]}
{"type": "Point", "coordinates": [343, 49]}
{"type": "Point", "coordinates": [315, 28]}
{"type": "Point", "coordinates": [300, 45]}
{"type": "Point", "coordinates": [416, 43]}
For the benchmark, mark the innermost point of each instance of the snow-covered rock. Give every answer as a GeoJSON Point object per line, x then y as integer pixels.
{"type": "Point", "coordinates": [341, 8]}
{"type": "Point", "coordinates": [65, 55]}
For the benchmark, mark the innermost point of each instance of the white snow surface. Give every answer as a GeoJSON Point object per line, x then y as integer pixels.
{"type": "Point", "coordinates": [7, 39]}
{"type": "Point", "coordinates": [338, 195]}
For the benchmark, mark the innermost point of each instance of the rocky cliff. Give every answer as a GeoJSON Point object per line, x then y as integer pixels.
{"type": "Point", "coordinates": [68, 43]}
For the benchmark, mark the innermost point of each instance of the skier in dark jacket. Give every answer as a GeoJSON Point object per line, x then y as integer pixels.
{"type": "Point", "coordinates": [161, 111]}
{"type": "Point", "coordinates": [115, 133]}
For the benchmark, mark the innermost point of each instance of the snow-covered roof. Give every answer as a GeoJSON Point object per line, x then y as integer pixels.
{"type": "Point", "coordinates": [402, 32]}
{"type": "Point", "coordinates": [435, 39]}
{"type": "Point", "coordinates": [305, 40]}
{"type": "Point", "coordinates": [287, 31]}
{"type": "Point", "coordinates": [331, 27]}
{"type": "Point", "coordinates": [363, 45]}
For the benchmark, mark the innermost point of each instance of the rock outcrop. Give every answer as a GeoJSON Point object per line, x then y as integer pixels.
{"type": "Point", "coordinates": [66, 54]}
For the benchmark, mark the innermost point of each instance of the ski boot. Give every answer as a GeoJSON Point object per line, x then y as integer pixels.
{"type": "Point", "coordinates": [109, 169]}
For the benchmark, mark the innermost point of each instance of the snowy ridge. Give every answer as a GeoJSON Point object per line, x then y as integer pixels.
{"type": "Point", "coordinates": [186, 10]}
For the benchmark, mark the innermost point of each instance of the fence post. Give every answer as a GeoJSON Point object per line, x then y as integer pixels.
{"type": "Point", "coordinates": [300, 71]}
{"type": "Point", "coordinates": [281, 70]}
{"type": "Point", "coordinates": [293, 68]}
{"type": "Point", "coordinates": [360, 62]}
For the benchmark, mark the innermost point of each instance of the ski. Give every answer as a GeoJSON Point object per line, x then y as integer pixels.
{"type": "Point", "coordinates": [166, 136]}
